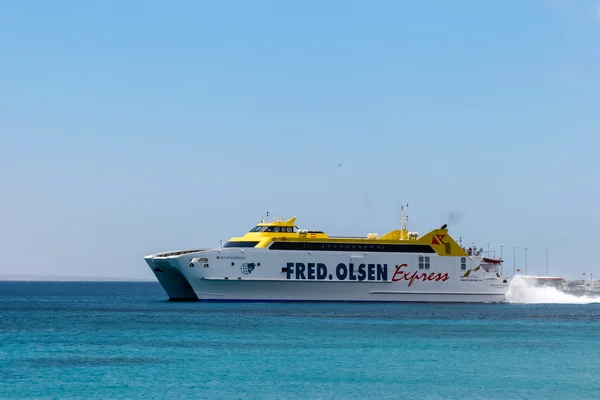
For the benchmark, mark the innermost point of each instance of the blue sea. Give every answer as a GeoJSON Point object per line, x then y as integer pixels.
{"type": "Point", "coordinates": [83, 340]}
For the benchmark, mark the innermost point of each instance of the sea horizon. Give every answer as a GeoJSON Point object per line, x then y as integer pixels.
{"type": "Point", "coordinates": [69, 278]}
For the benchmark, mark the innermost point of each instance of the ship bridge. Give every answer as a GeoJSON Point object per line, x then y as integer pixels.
{"type": "Point", "coordinates": [266, 232]}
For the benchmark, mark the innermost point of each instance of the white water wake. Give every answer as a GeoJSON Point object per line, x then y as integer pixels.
{"type": "Point", "coordinates": [524, 292]}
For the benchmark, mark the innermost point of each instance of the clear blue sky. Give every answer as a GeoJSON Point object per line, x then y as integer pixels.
{"type": "Point", "coordinates": [129, 128]}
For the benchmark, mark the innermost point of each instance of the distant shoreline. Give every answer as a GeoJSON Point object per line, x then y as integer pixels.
{"type": "Point", "coordinates": [50, 278]}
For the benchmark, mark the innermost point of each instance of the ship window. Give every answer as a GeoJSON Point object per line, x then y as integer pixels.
{"type": "Point", "coordinates": [463, 263]}
{"type": "Point", "coordinates": [420, 259]}
{"type": "Point", "coordinates": [279, 229]}
{"type": "Point", "coordinates": [420, 265]}
{"type": "Point", "coordinates": [258, 229]}
{"type": "Point", "coordinates": [426, 262]}
{"type": "Point", "coordinates": [240, 244]}
{"type": "Point", "coordinates": [387, 248]}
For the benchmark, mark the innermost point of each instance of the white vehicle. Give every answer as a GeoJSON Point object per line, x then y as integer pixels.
{"type": "Point", "coordinates": [276, 261]}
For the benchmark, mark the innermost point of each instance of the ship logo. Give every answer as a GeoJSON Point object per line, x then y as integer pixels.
{"type": "Point", "coordinates": [247, 268]}
{"type": "Point", "coordinates": [466, 275]}
{"type": "Point", "coordinates": [438, 239]}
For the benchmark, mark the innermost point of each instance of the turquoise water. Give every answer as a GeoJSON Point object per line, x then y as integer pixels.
{"type": "Point", "coordinates": [124, 340]}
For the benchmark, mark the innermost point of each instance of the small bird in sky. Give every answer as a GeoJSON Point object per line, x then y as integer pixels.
{"type": "Point", "coordinates": [339, 164]}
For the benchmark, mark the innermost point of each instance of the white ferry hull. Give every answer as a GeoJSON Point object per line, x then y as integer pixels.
{"type": "Point", "coordinates": [223, 275]}
{"type": "Point", "coordinates": [247, 290]}
{"type": "Point", "coordinates": [173, 282]}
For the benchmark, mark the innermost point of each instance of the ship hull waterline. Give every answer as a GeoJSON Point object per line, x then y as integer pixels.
{"type": "Point", "coordinates": [286, 291]}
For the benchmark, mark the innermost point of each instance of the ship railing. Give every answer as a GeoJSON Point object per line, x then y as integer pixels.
{"type": "Point", "coordinates": [176, 253]}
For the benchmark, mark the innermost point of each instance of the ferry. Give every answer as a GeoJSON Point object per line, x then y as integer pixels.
{"type": "Point", "coordinates": [277, 261]}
